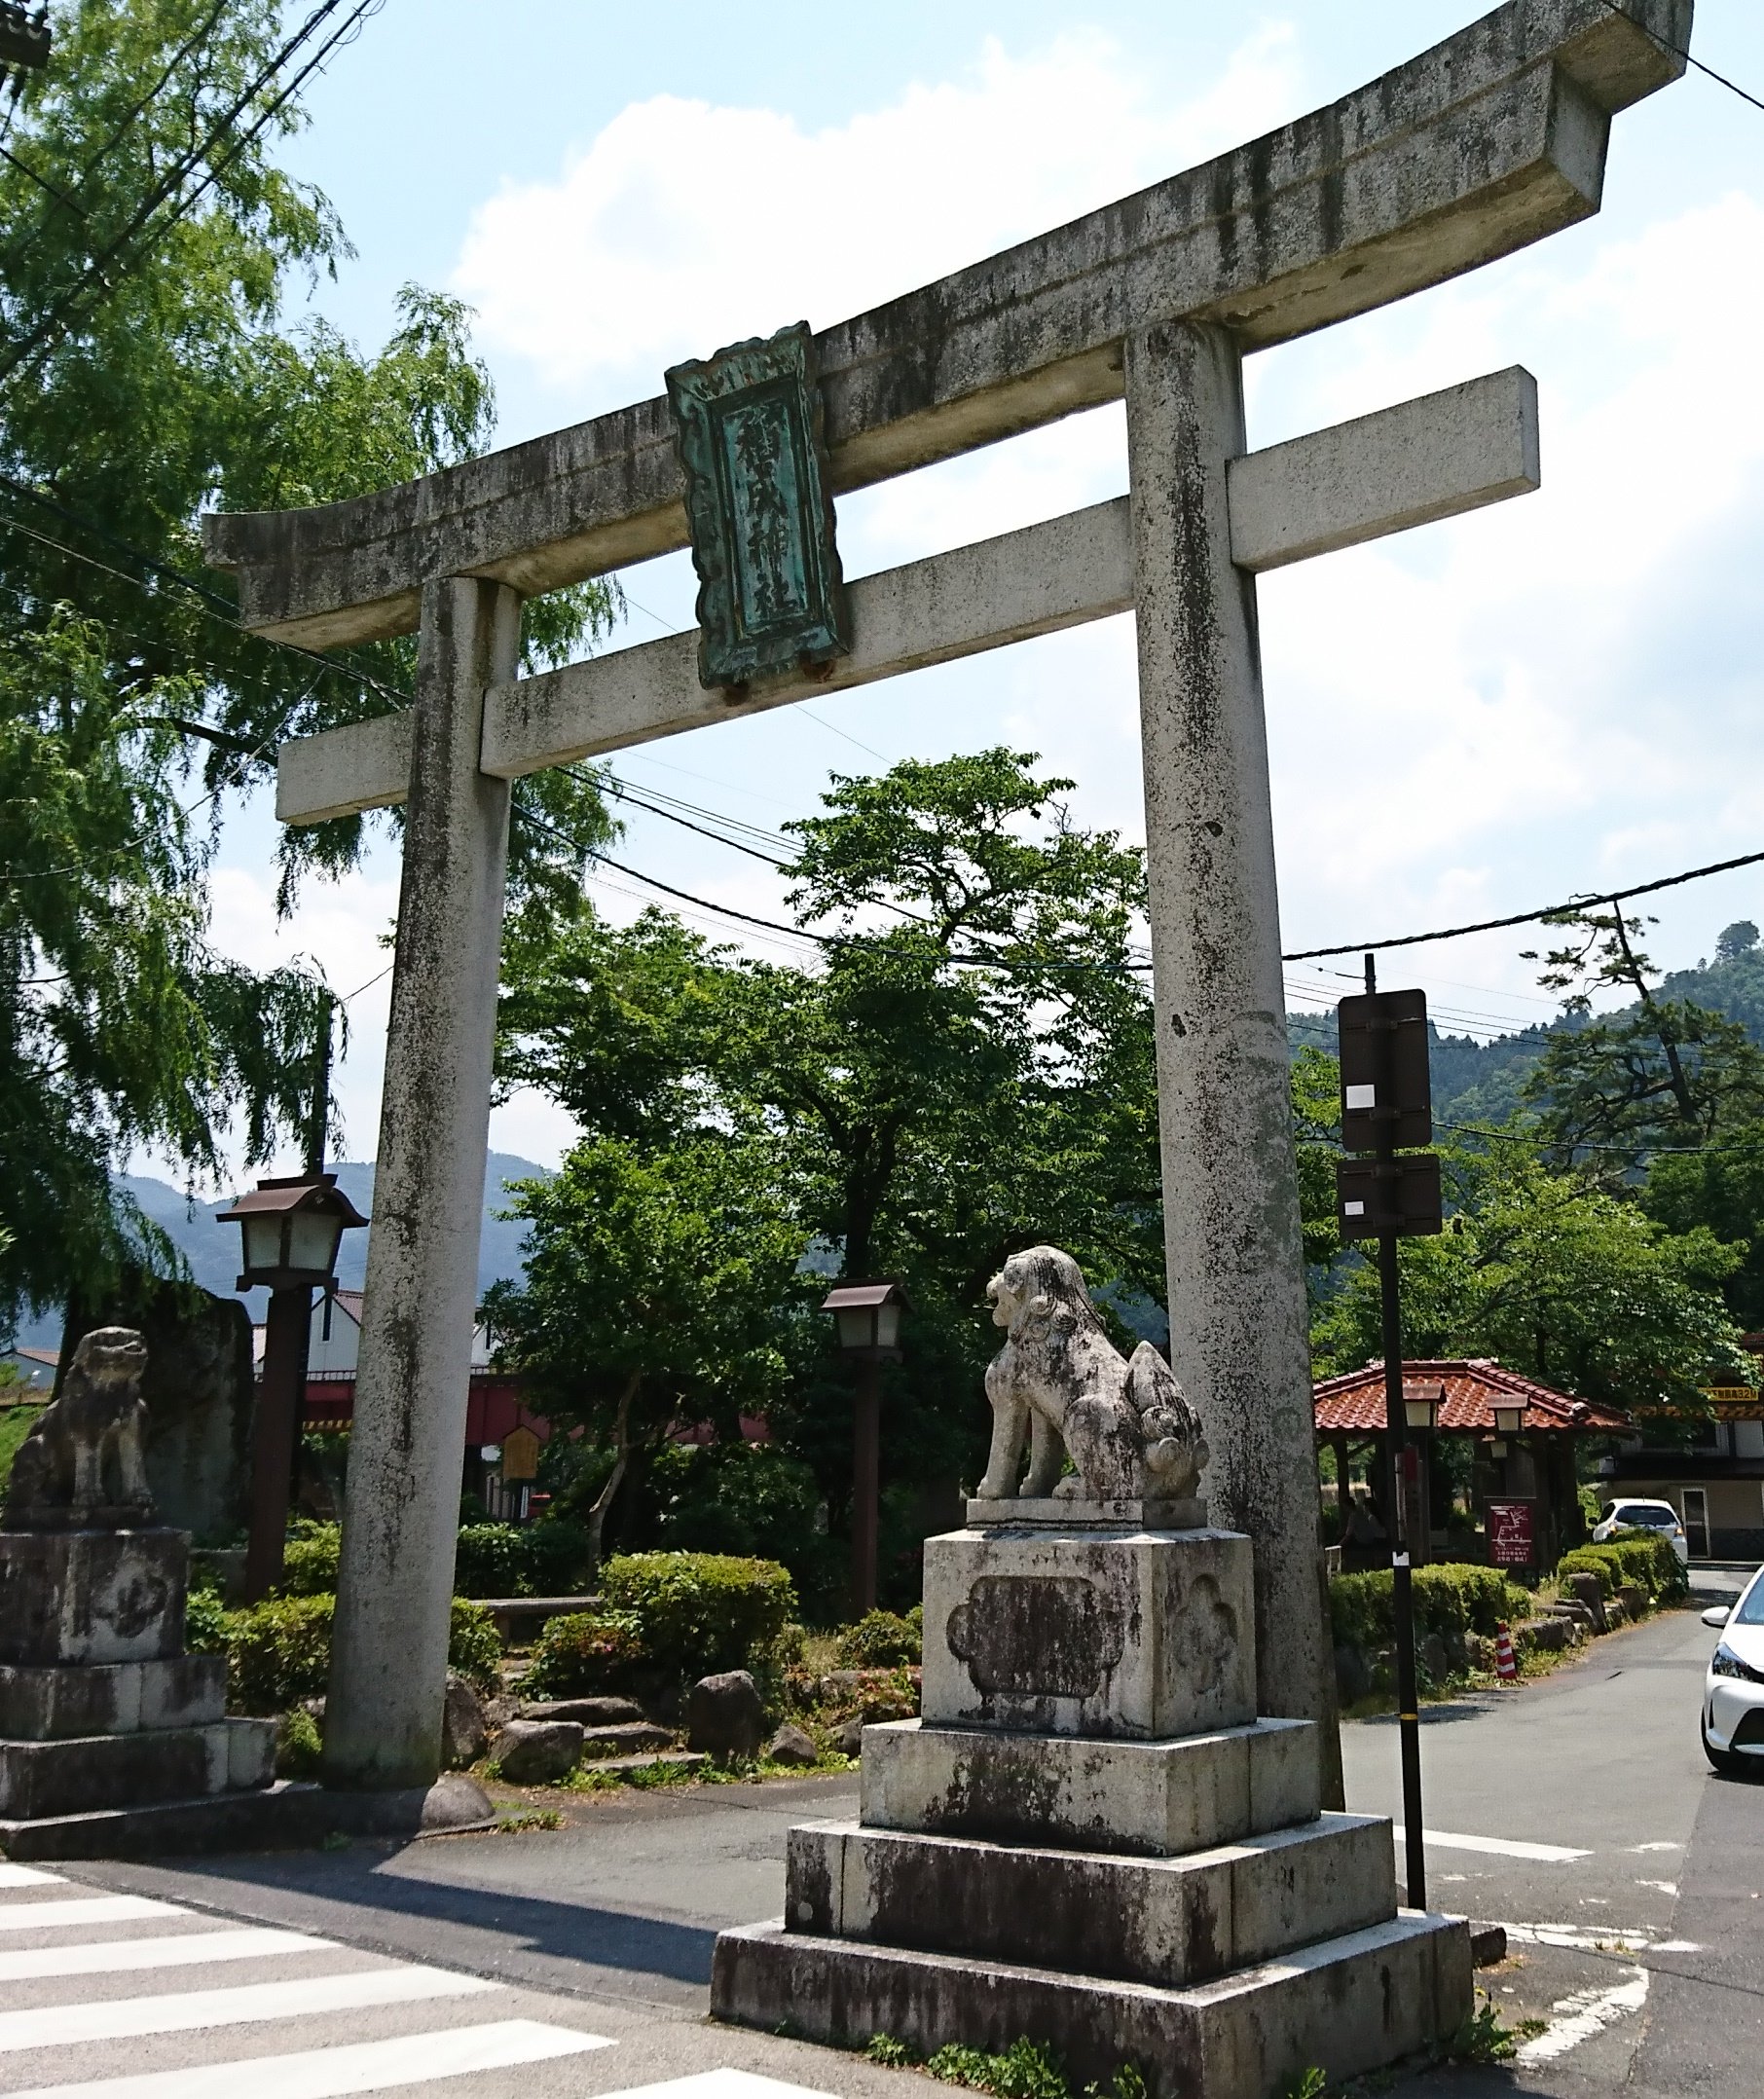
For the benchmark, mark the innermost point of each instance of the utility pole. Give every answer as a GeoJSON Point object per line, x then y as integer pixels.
{"type": "Point", "coordinates": [1387, 1104]}
{"type": "Point", "coordinates": [319, 1117]}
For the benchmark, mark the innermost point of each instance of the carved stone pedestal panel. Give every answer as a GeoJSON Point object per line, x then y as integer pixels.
{"type": "Point", "coordinates": [1133, 1634]}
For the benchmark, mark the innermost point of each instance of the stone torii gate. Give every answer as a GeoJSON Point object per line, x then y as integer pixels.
{"type": "Point", "coordinates": [1490, 140]}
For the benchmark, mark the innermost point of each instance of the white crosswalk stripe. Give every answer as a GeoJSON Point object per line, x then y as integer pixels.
{"type": "Point", "coordinates": [56, 1931]}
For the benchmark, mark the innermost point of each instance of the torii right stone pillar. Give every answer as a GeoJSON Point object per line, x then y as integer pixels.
{"type": "Point", "coordinates": [1239, 1338]}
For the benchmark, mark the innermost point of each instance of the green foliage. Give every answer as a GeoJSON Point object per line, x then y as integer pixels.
{"type": "Point", "coordinates": [1634, 1558]}
{"type": "Point", "coordinates": [589, 1654]}
{"type": "Point", "coordinates": [278, 1652]}
{"type": "Point", "coordinates": [1557, 1279]}
{"type": "Point", "coordinates": [1311, 2084]}
{"type": "Point", "coordinates": [698, 1613]}
{"type": "Point", "coordinates": [1451, 1599]}
{"type": "Point", "coordinates": [880, 1640]}
{"type": "Point", "coordinates": [1026, 2070]}
{"type": "Point", "coordinates": [750, 1498]}
{"type": "Point", "coordinates": [204, 1622]}
{"type": "Point", "coordinates": [149, 376]}
{"type": "Point", "coordinates": [299, 1750]}
{"type": "Point", "coordinates": [309, 1559]}
{"type": "Point", "coordinates": [1719, 1190]}
{"type": "Point", "coordinates": [1482, 2038]}
{"type": "Point", "coordinates": [498, 1559]}
{"type": "Point", "coordinates": [891, 2054]}
{"type": "Point", "coordinates": [15, 1424]}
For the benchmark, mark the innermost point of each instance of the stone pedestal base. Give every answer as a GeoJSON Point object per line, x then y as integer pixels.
{"type": "Point", "coordinates": [1349, 2005]}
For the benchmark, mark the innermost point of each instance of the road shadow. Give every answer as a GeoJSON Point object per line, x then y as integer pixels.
{"type": "Point", "coordinates": [610, 1938]}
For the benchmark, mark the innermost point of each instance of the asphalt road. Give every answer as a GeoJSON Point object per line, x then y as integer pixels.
{"type": "Point", "coordinates": [1577, 1810]}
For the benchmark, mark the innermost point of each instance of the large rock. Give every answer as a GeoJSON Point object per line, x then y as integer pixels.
{"type": "Point", "coordinates": [590, 1711]}
{"type": "Point", "coordinates": [464, 1734]}
{"type": "Point", "coordinates": [1588, 1591]}
{"type": "Point", "coordinates": [538, 1752]}
{"type": "Point", "coordinates": [724, 1715]}
{"type": "Point", "coordinates": [626, 1738]}
{"type": "Point", "coordinates": [792, 1746]}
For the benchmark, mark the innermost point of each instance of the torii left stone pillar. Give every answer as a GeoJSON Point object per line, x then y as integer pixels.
{"type": "Point", "coordinates": [383, 1719]}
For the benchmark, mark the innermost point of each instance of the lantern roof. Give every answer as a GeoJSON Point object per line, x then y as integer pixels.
{"type": "Point", "coordinates": [853, 1297]}
{"type": "Point", "coordinates": [293, 1191]}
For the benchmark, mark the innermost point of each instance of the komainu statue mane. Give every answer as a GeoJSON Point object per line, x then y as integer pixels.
{"type": "Point", "coordinates": [82, 1464]}
{"type": "Point", "coordinates": [1058, 1379]}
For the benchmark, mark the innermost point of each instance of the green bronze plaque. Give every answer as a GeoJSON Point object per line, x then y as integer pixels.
{"type": "Point", "coordinates": [747, 427]}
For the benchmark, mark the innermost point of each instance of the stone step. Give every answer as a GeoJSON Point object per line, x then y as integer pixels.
{"type": "Point", "coordinates": [124, 1771]}
{"type": "Point", "coordinates": [1161, 1798]}
{"type": "Point", "coordinates": [118, 1698]}
{"type": "Point", "coordinates": [1349, 2005]}
{"type": "Point", "coordinates": [1167, 1921]}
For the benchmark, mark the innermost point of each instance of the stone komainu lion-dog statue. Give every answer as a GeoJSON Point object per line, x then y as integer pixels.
{"type": "Point", "coordinates": [82, 1464]}
{"type": "Point", "coordinates": [1125, 1424]}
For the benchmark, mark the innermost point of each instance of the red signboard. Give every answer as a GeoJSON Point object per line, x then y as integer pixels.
{"type": "Point", "coordinates": [1510, 1535]}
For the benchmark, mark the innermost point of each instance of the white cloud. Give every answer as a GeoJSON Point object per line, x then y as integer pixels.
{"type": "Point", "coordinates": [683, 226]}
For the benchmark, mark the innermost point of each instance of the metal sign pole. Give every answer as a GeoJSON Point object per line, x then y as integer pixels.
{"type": "Point", "coordinates": [1386, 1103]}
{"type": "Point", "coordinates": [1396, 1421]}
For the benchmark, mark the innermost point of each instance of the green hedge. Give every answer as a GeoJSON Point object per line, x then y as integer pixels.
{"type": "Point", "coordinates": [1451, 1599]}
{"type": "Point", "coordinates": [882, 1640]}
{"type": "Point", "coordinates": [309, 1564]}
{"type": "Point", "coordinates": [542, 1559]}
{"type": "Point", "coordinates": [278, 1652]}
{"type": "Point", "coordinates": [697, 1613]}
{"type": "Point", "coordinates": [1634, 1558]}
{"type": "Point", "coordinates": [586, 1655]}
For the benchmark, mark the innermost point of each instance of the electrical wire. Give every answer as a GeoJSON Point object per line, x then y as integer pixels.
{"type": "Point", "coordinates": [1632, 1151]}
{"type": "Point", "coordinates": [1678, 51]}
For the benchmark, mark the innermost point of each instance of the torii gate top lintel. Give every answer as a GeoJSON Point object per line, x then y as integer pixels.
{"type": "Point", "coordinates": [1490, 140]}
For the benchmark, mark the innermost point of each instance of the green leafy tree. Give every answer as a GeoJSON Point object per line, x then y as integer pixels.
{"type": "Point", "coordinates": [652, 1294]}
{"type": "Point", "coordinates": [1719, 1189]}
{"type": "Point", "coordinates": [1559, 1279]}
{"type": "Point", "coordinates": [149, 245]}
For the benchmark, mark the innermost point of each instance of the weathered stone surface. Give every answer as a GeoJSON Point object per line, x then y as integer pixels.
{"type": "Point", "coordinates": [92, 1596]}
{"type": "Point", "coordinates": [725, 1715]}
{"type": "Point", "coordinates": [1163, 1921]}
{"type": "Point", "coordinates": [45, 1704]}
{"type": "Point", "coordinates": [1241, 1345]}
{"type": "Point", "coordinates": [394, 1592]}
{"type": "Point", "coordinates": [1131, 1635]}
{"type": "Point", "coordinates": [1353, 1675]}
{"type": "Point", "coordinates": [1490, 140]}
{"type": "Point", "coordinates": [792, 1746]}
{"type": "Point", "coordinates": [80, 1465]}
{"type": "Point", "coordinates": [69, 1776]}
{"type": "Point", "coordinates": [1061, 1389]}
{"type": "Point", "coordinates": [1130, 1512]}
{"type": "Point", "coordinates": [1588, 1592]}
{"type": "Point", "coordinates": [589, 1711]}
{"type": "Point", "coordinates": [465, 1733]}
{"type": "Point", "coordinates": [1349, 2005]}
{"type": "Point", "coordinates": [536, 1752]}
{"type": "Point", "coordinates": [1157, 1798]}
{"type": "Point", "coordinates": [625, 1738]}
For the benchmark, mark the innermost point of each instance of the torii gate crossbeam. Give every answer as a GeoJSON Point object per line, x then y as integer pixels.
{"type": "Point", "coordinates": [1487, 142]}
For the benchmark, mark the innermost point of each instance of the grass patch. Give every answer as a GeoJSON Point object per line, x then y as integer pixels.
{"type": "Point", "coordinates": [528, 1818]}
{"type": "Point", "coordinates": [1484, 2037]}
{"type": "Point", "coordinates": [1026, 2070]}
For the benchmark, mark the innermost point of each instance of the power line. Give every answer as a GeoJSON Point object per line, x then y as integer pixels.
{"type": "Point", "coordinates": [1678, 51]}
{"type": "Point", "coordinates": [1539, 1141]}
{"type": "Point", "coordinates": [1529, 918]}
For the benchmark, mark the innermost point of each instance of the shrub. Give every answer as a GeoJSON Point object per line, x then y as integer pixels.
{"type": "Point", "coordinates": [204, 1622]}
{"type": "Point", "coordinates": [542, 1559]}
{"type": "Point", "coordinates": [1450, 1599]}
{"type": "Point", "coordinates": [278, 1652]}
{"type": "Point", "coordinates": [697, 1613]}
{"type": "Point", "coordinates": [1642, 1559]}
{"type": "Point", "coordinates": [310, 1561]}
{"type": "Point", "coordinates": [882, 1640]}
{"type": "Point", "coordinates": [586, 1655]}
{"type": "Point", "coordinates": [299, 1753]}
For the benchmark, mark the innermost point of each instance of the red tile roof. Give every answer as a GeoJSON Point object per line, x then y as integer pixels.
{"type": "Point", "coordinates": [1469, 1391]}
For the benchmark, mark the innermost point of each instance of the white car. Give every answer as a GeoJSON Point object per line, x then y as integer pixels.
{"type": "Point", "coordinates": [1659, 1516]}
{"type": "Point", "coordinates": [1733, 1691]}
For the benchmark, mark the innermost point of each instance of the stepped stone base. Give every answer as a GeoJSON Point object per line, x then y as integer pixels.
{"type": "Point", "coordinates": [119, 1771]}
{"type": "Point", "coordinates": [50, 1703]}
{"type": "Point", "coordinates": [92, 1596]}
{"type": "Point", "coordinates": [281, 1816]}
{"type": "Point", "coordinates": [1163, 1921]}
{"type": "Point", "coordinates": [1158, 1797]}
{"type": "Point", "coordinates": [1350, 2004]}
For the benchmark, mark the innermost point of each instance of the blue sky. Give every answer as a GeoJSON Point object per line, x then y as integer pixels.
{"type": "Point", "coordinates": [1562, 691]}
